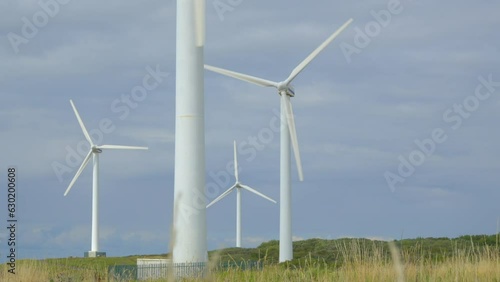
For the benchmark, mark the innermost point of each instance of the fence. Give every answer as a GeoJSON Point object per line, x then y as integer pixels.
{"type": "Point", "coordinates": [158, 271]}
{"type": "Point", "coordinates": [243, 265]}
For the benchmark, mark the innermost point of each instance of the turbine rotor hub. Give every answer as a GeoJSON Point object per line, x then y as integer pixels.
{"type": "Point", "coordinates": [96, 150]}
{"type": "Point", "coordinates": [286, 89]}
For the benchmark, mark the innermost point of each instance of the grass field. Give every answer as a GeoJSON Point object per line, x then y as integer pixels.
{"type": "Point", "coordinates": [467, 258]}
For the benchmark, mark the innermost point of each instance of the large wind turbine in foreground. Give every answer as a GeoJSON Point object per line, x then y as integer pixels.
{"type": "Point", "coordinates": [94, 152]}
{"type": "Point", "coordinates": [238, 186]}
{"type": "Point", "coordinates": [189, 230]}
{"type": "Point", "coordinates": [285, 90]}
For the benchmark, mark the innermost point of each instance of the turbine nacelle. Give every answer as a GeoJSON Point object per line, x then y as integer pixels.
{"type": "Point", "coordinates": [287, 89]}
{"type": "Point", "coordinates": [96, 149]}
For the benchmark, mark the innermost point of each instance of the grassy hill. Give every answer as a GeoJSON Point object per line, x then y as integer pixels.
{"type": "Point", "coordinates": [331, 252]}
{"type": "Point", "coordinates": [335, 251]}
{"type": "Point", "coordinates": [474, 257]}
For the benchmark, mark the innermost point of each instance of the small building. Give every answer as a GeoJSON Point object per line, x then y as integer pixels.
{"type": "Point", "coordinates": [152, 268]}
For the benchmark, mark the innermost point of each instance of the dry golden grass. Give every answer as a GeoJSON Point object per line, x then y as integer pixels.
{"type": "Point", "coordinates": [357, 262]}
{"type": "Point", "coordinates": [40, 270]}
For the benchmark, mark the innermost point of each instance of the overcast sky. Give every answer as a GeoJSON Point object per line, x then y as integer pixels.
{"type": "Point", "coordinates": [395, 119]}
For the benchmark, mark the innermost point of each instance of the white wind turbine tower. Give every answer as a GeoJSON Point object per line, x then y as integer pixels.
{"type": "Point", "coordinates": [189, 230]}
{"type": "Point", "coordinates": [285, 90]}
{"type": "Point", "coordinates": [94, 152]}
{"type": "Point", "coordinates": [238, 186]}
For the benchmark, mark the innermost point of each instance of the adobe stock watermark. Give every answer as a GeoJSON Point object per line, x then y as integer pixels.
{"type": "Point", "coordinates": [222, 179]}
{"type": "Point", "coordinates": [31, 26]}
{"type": "Point", "coordinates": [365, 35]}
{"type": "Point", "coordinates": [225, 6]}
{"type": "Point", "coordinates": [121, 107]}
{"type": "Point", "coordinates": [454, 117]}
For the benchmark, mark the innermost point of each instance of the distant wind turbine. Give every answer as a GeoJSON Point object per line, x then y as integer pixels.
{"type": "Point", "coordinates": [94, 152]}
{"type": "Point", "coordinates": [285, 90]}
{"type": "Point", "coordinates": [238, 186]}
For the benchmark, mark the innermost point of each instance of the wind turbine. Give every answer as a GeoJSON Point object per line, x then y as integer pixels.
{"type": "Point", "coordinates": [285, 90]}
{"type": "Point", "coordinates": [94, 152]}
{"type": "Point", "coordinates": [238, 186]}
{"type": "Point", "coordinates": [189, 230]}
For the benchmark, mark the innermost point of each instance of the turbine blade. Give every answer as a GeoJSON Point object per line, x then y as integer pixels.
{"type": "Point", "coordinates": [222, 195]}
{"type": "Point", "coordinates": [293, 135]}
{"type": "Point", "coordinates": [120, 147]}
{"type": "Point", "coordinates": [315, 53]}
{"type": "Point", "coordinates": [235, 162]}
{"type": "Point", "coordinates": [80, 170]}
{"type": "Point", "coordinates": [257, 192]}
{"type": "Point", "coordinates": [244, 77]}
{"type": "Point", "coordinates": [199, 12]}
{"type": "Point", "coordinates": [85, 132]}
